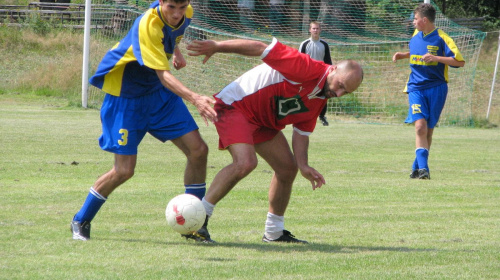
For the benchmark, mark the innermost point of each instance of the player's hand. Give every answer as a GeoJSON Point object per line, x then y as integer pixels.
{"type": "Point", "coordinates": [429, 58]}
{"type": "Point", "coordinates": [396, 56]}
{"type": "Point", "coordinates": [317, 180]}
{"type": "Point", "coordinates": [400, 55]}
{"type": "Point", "coordinates": [179, 62]}
{"type": "Point", "coordinates": [204, 105]}
{"type": "Point", "coordinates": [206, 48]}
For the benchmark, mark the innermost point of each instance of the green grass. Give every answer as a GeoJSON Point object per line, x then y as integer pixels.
{"type": "Point", "coordinates": [369, 222]}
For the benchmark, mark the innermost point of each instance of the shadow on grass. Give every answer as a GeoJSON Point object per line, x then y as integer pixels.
{"type": "Point", "coordinates": [316, 247]}
{"type": "Point", "coordinates": [286, 247]}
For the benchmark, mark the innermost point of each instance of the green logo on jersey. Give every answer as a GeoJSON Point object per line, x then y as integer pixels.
{"type": "Point", "coordinates": [289, 106]}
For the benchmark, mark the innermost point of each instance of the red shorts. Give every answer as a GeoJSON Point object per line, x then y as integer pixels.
{"type": "Point", "coordinates": [233, 127]}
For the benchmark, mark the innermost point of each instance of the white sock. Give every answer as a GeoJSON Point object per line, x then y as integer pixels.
{"type": "Point", "coordinates": [209, 207]}
{"type": "Point", "coordinates": [274, 226]}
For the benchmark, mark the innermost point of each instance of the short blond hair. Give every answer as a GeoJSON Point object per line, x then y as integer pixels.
{"type": "Point", "coordinates": [314, 22]}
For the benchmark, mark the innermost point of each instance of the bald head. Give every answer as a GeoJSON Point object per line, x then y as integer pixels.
{"type": "Point", "coordinates": [352, 74]}
{"type": "Point", "coordinates": [344, 77]}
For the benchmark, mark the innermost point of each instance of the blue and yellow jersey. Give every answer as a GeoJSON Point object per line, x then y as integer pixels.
{"type": "Point", "coordinates": [426, 75]}
{"type": "Point", "coordinates": [128, 69]}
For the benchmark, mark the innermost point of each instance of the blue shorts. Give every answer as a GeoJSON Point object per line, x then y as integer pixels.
{"type": "Point", "coordinates": [427, 104]}
{"type": "Point", "coordinates": [125, 121]}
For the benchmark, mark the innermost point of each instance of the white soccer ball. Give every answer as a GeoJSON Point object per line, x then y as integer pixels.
{"type": "Point", "coordinates": [185, 213]}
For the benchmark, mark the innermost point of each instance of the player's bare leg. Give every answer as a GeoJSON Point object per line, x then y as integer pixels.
{"type": "Point", "coordinates": [244, 162]}
{"type": "Point", "coordinates": [421, 132]}
{"type": "Point", "coordinates": [423, 140]}
{"type": "Point", "coordinates": [430, 132]}
{"type": "Point", "coordinates": [123, 169]}
{"type": "Point", "coordinates": [278, 155]}
{"type": "Point", "coordinates": [195, 173]}
{"type": "Point", "coordinates": [196, 151]}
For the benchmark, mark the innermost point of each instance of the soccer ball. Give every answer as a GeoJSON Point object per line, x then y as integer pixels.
{"type": "Point", "coordinates": [185, 213]}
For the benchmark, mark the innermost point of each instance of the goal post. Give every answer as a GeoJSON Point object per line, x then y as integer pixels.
{"type": "Point", "coordinates": [86, 42]}
{"type": "Point", "coordinates": [494, 79]}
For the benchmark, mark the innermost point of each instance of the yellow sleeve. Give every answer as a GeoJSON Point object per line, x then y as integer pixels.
{"type": "Point", "coordinates": [451, 45]}
{"type": "Point", "coordinates": [150, 42]}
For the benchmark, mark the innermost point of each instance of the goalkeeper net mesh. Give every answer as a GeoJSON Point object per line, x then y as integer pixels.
{"type": "Point", "coordinates": [369, 31]}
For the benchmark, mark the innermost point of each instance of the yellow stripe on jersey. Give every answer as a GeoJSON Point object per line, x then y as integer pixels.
{"type": "Point", "coordinates": [150, 40]}
{"type": "Point", "coordinates": [189, 11]}
{"type": "Point", "coordinates": [115, 46]}
{"type": "Point", "coordinates": [451, 45]}
{"type": "Point", "coordinates": [113, 80]}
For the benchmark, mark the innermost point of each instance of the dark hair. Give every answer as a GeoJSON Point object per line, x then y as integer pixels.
{"type": "Point", "coordinates": [177, 1]}
{"type": "Point", "coordinates": [426, 10]}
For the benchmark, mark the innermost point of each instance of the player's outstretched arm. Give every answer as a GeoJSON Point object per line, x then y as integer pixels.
{"type": "Point", "coordinates": [238, 46]}
{"type": "Point", "coordinates": [448, 60]}
{"type": "Point", "coordinates": [203, 103]}
{"type": "Point", "coordinates": [300, 146]}
{"type": "Point", "coordinates": [400, 55]}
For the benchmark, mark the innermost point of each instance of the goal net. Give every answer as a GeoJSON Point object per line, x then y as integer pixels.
{"type": "Point", "coordinates": [369, 31]}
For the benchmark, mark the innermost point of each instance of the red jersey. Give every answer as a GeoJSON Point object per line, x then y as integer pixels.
{"type": "Point", "coordinates": [281, 91]}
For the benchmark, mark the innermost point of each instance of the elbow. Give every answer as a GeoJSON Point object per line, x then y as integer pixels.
{"type": "Point", "coordinates": [458, 63]}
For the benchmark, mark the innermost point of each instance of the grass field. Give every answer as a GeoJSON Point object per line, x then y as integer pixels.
{"type": "Point", "coordinates": [369, 222]}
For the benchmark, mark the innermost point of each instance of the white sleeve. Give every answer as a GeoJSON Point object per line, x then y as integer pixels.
{"type": "Point", "coordinates": [269, 48]}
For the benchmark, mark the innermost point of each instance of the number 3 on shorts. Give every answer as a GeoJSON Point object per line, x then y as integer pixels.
{"type": "Point", "coordinates": [123, 141]}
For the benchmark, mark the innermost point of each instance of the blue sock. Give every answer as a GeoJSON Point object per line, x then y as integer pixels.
{"type": "Point", "coordinates": [415, 165]}
{"type": "Point", "coordinates": [90, 207]}
{"type": "Point", "coordinates": [422, 158]}
{"type": "Point", "coordinates": [197, 190]}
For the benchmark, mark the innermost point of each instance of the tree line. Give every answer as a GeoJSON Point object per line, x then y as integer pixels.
{"type": "Point", "coordinates": [490, 9]}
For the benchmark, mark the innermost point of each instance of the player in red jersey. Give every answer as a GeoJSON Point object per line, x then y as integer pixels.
{"type": "Point", "coordinates": [289, 88]}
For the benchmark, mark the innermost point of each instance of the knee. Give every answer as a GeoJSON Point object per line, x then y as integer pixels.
{"type": "Point", "coordinates": [287, 171]}
{"type": "Point", "coordinates": [199, 153]}
{"type": "Point", "coordinates": [245, 166]}
{"type": "Point", "coordinates": [421, 129]}
{"type": "Point", "coordinates": [123, 174]}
